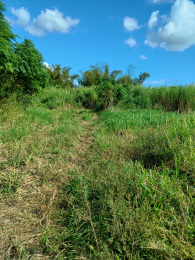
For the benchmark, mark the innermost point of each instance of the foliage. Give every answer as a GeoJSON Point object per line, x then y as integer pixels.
{"type": "Point", "coordinates": [125, 79]}
{"type": "Point", "coordinates": [28, 75]}
{"type": "Point", "coordinates": [21, 67]}
{"type": "Point", "coordinates": [142, 77]}
{"type": "Point", "coordinates": [31, 76]}
{"type": "Point", "coordinates": [94, 75]}
{"type": "Point", "coordinates": [106, 92]}
{"type": "Point", "coordinates": [8, 59]}
{"type": "Point", "coordinates": [173, 98]}
{"type": "Point", "coordinates": [113, 185]}
{"type": "Point", "coordinates": [61, 76]}
{"type": "Point", "coordinates": [114, 75]}
{"type": "Point", "coordinates": [87, 97]}
{"type": "Point", "coordinates": [125, 96]}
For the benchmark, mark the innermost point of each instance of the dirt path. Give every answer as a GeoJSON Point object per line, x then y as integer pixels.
{"type": "Point", "coordinates": [25, 215]}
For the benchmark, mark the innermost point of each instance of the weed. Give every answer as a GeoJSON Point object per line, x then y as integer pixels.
{"type": "Point", "coordinates": [117, 184]}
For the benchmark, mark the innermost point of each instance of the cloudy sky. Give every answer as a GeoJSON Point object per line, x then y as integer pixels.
{"type": "Point", "coordinates": [155, 36]}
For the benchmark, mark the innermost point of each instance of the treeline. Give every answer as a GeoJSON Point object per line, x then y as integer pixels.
{"type": "Point", "coordinates": [22, 69]}
{"type": "Point", "coordinates": [173, 98]}
{"type": "Point", "coordinates": [96, 73]}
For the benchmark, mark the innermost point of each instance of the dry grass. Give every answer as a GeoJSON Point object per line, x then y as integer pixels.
{"type": "Point", "coordinates": [39, 170]}
{"type": "Point", "coordinates": [77, 185]}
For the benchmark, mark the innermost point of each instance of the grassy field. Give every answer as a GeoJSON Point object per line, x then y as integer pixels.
{"type": "Point", "coordinates": [80, 184]}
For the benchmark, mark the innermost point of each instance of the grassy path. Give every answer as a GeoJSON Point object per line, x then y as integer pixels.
{"type": "Point", "coordinates": [35, 163]}
{"type": "Point", "coordinates": [77, 185]}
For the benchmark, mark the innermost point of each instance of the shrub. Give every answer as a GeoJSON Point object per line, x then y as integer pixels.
{"type": "Point", "coordinates": [106, 92]}
{"type": "Point", "coordinates": [87, 97]}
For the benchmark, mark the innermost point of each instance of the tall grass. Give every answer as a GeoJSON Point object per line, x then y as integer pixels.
{"type": "Point", "coordinates": [134, 197]}
{"type": "Point", "coordinates": [174, 98]}
{"type": "Point", "coordinates": [117, 184]}
{"type": "Point", "coordinates": [135, 119]}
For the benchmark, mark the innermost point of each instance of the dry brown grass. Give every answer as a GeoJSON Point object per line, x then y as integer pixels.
{"type": "Point", "coordinates": [26, 213]}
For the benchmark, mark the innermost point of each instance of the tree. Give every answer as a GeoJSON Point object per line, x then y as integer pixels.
{"type": "Point", "coordinates": [21, 68]}
{"type": "Point", "coordinates": [114, 75]}
{"type": "Point", "coordinates": [8, 59]}
{"type": "Point", "coordinates": [94, 75]}
{"type": "Point", "coordinates": [128, 77]}
{"type": "Point", "coordinates": [61, 76]}
{"type": "Point", "coordinates": [142, 77]}
{"type": "Point", "coordinates": [130, 70]}
{"type": "Point", "coordinates": [125, 79]}
{"type": "Point", "coordinates": [31, 76]}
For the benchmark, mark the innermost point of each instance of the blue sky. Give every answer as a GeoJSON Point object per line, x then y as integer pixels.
{"type": "Point", "coordinates": [155, 36]}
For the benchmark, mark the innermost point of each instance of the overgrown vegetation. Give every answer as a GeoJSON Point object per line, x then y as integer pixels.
{"type": "Point", "coordinates": [103, 171]}
{"type": "Point", "coordinates": [21, 68]}
{"type": "Point", "coordinates": [61, 78]}
{"type": "Point", "coordinates": [97, 73]}
{"type": "Point", "coordinates": [115, 184]}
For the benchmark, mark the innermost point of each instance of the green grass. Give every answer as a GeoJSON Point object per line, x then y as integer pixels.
{"type": "Point", "coordinates": [135, 119]}
{"type": "Point", "coordinates": [77, 184]}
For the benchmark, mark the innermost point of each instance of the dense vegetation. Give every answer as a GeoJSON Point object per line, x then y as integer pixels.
{"type": "Point", "coordinates": [114, 184]}
{"type": "Point", "coordinates": [103, 171]}
{"type": "Point", "coordinates": [22, 69]}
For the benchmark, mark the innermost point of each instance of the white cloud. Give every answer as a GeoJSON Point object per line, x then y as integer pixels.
{"type": "Point", "coordinates": [178, 33]}
{"type": "Point", "coordinates": [48, 20]}
{"type": "Point", "coordinates": [131, 42]}
{"type": "Point", "coordinates": [35, 30]}
{"type": "Point", "coordinates": [22, 14]}
{"type": "Point", "coordinates": [130, 24]}
{"type": "Point", "coordinates": [153, 20]}
{"type": "Point", "coordinates": [143, 57]}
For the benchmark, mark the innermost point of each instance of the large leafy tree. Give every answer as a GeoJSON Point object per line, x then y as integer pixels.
{"type": "Point", "coordinates": [61, 76]}
{"type": "Point", "coordinates": [125, 79]}
{"type": "Point", "coordinates": [91, 77]}
{"type": "Point", "coordinates": [141, 78]}
{"type": "Point", "coordinates": [31, 76]}
{"type": "Point", "coordinates": [8, 59]}
{"type": "Point", "coordinates": [21, 66]}
{"type": "Point", "coordinates": [94, 75]}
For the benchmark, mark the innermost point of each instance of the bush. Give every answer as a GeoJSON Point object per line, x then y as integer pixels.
{"type": "Point", "coordinates": [106, 92]}
{"type": "Point", "coordinates": [87, 97]}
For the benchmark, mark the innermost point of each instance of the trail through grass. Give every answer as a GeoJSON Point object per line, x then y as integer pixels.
{"type": "Point", "coordinates": [75, 184]}
{"type": "Point", "coordinates": [39, 150]}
